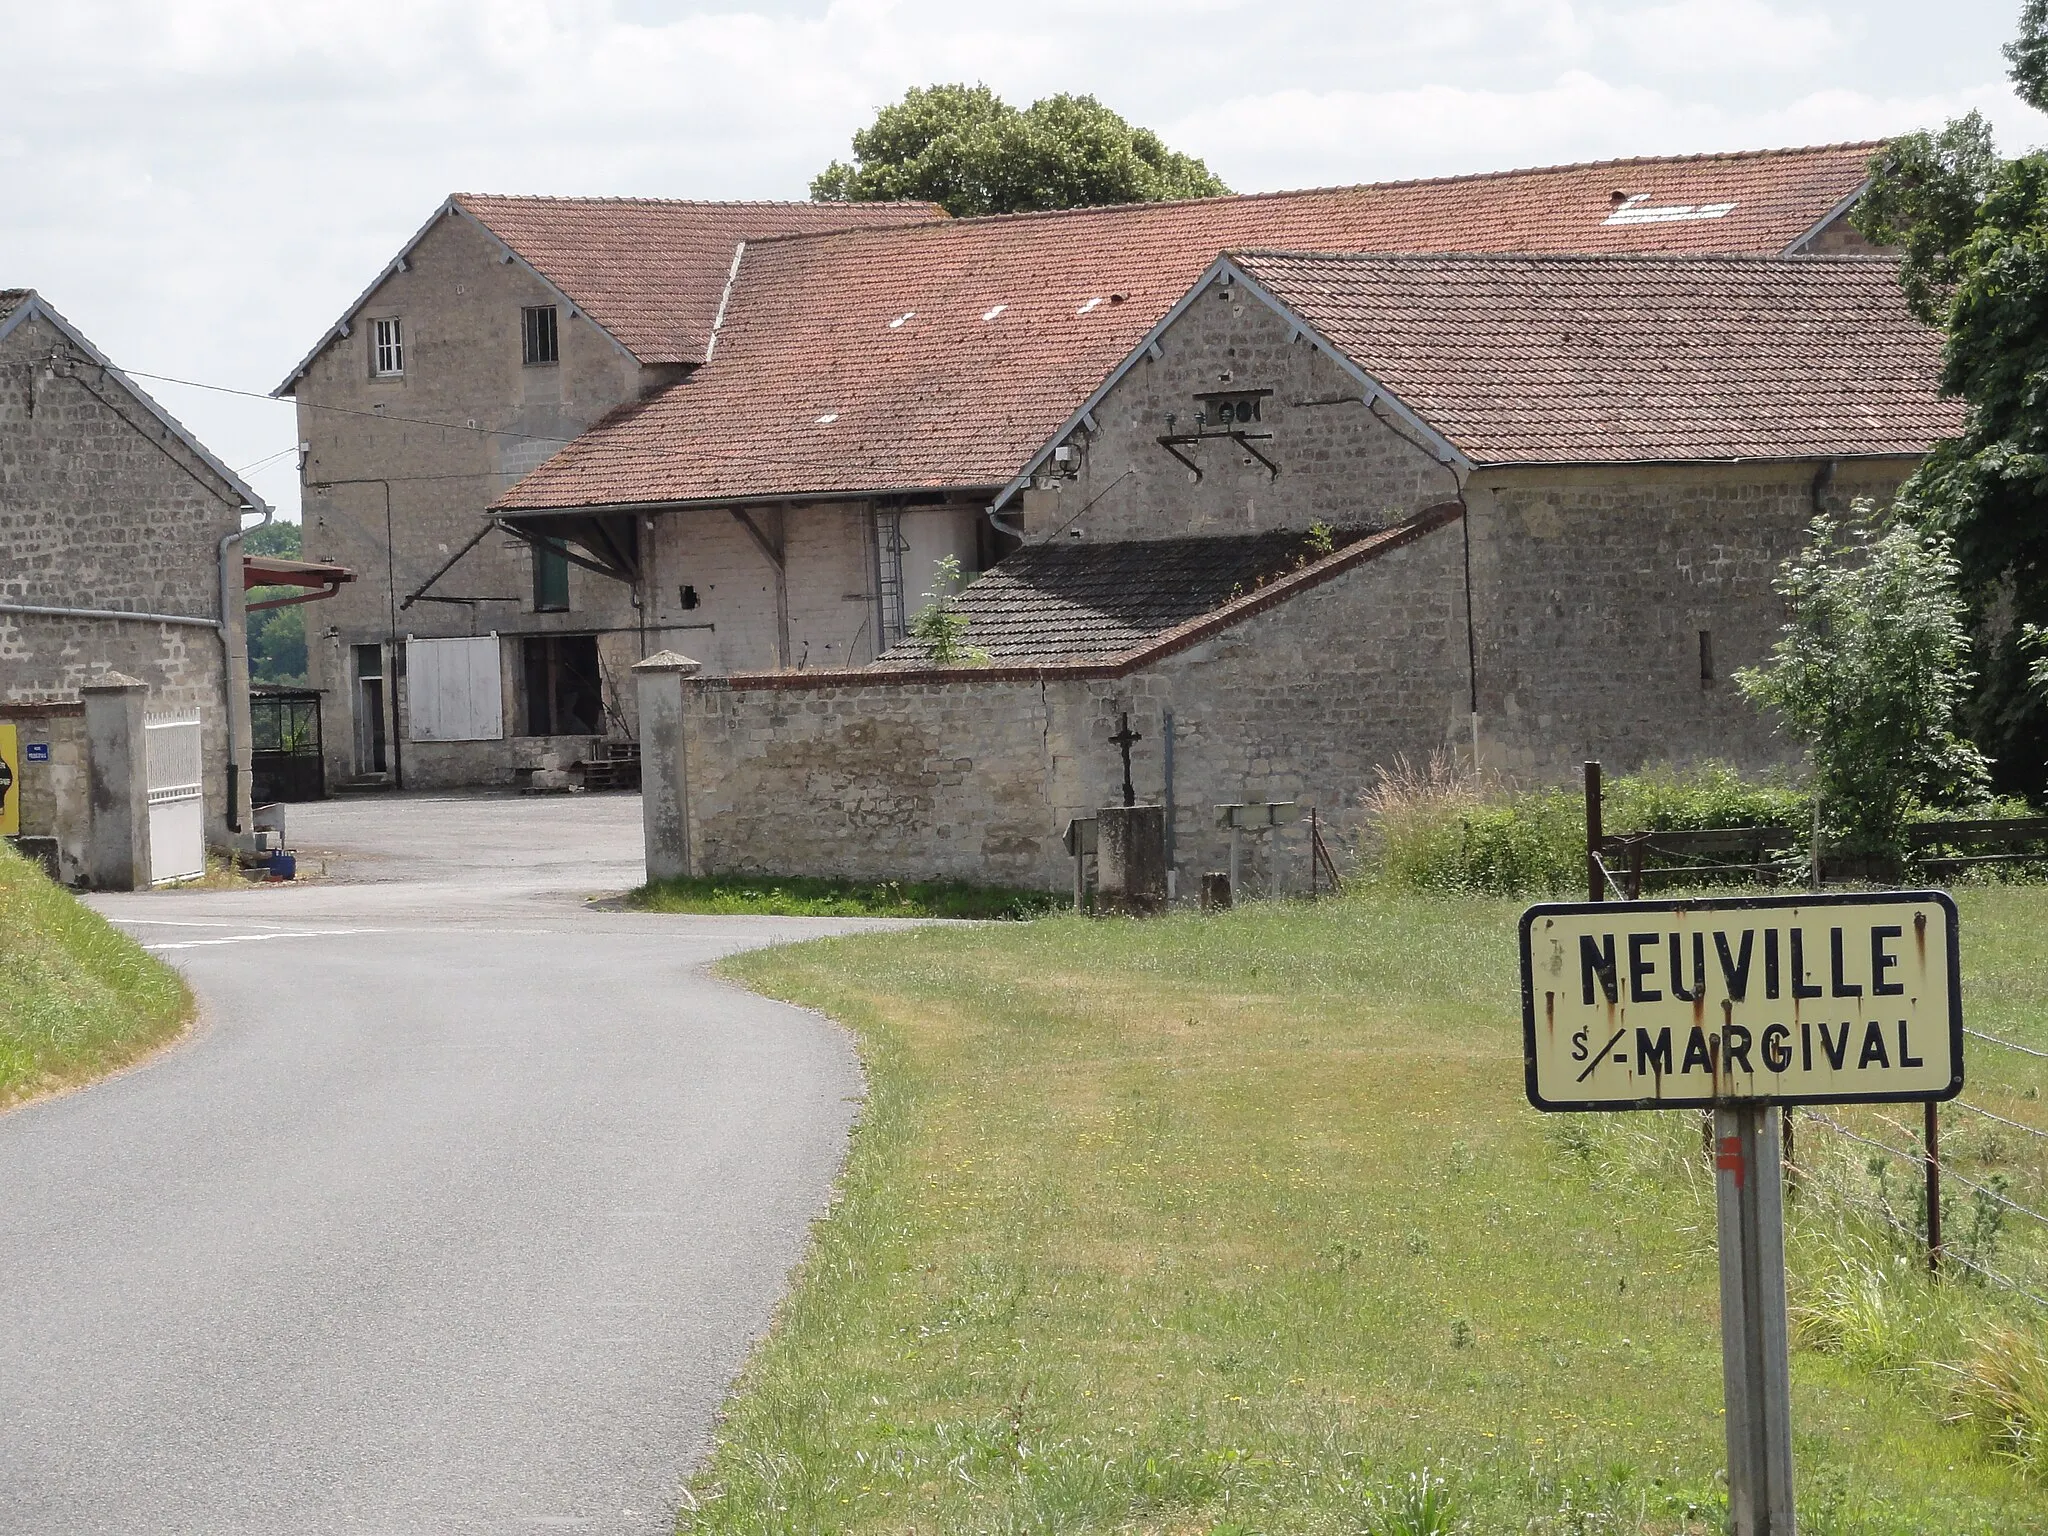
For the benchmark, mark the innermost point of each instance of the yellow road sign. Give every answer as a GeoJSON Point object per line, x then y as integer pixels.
{"type": "Point", "coordinates": [10, 781]}
{"type": "Point", "coordinates": [1767, 1000]}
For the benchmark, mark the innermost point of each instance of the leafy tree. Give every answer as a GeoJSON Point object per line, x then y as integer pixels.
{"type": "Point", "coordinates": [277, 636]}
{"type": "Point", "coordinates": [1974, 229]}
{"type": "Point", "coordinates": [966, 149]}
{"type": "Point", "coordinates": [1869, 673]}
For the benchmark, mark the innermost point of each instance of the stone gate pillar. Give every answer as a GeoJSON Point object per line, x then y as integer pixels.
{"type": "Point", "coordinates": [117, 779]}
{"type": "Point", "coordinates": [664, 767]}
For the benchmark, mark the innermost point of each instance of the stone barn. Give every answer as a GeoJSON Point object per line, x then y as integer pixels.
{"type": "Point", "coordinates": [118, 556]}
{"type": "Point", "coordinates": [1335, 509]}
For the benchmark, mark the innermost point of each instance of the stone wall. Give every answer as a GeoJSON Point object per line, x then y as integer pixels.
{"type": "Point", "coordinates": [973, 774]}
{"type": "Point", "coordinates": [1339, 463]}
{"type": "Point", "coordinates": [1593, 587]}
{"type": "Point", "coordinates": [101, 507]}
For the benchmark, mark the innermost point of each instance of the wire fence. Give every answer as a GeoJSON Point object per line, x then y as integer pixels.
{"type": "Point", "coordinates": [1923, 1150]}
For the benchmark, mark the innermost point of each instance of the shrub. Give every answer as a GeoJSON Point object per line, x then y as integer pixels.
{"type": "Point", "coordinates": [1711, 795]}
{"type": "Point", "coordinates": [1442, 828]}
{"type": "Point", "coordinates": [1868, 675]}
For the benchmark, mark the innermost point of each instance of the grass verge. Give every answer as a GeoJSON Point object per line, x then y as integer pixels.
{"type": "Point", "coordinates": [1241, 1224]}
{"type": "Point", "coordinates": [78, 998]}
{"type": "Point", "coordinates": [772, 896]}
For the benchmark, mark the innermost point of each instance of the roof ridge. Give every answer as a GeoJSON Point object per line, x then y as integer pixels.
{"type": "Point", "coordinates": [1372, 186]}
{"type": "Point", "coordinates": [681, 202]}
{"type": "Point", "coordinates": [1584, 258]}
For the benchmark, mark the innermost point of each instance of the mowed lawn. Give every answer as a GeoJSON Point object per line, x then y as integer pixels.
{"type": "Point", "coordinates": [1243, 1224]}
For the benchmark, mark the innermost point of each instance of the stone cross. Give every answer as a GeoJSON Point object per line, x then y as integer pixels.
{"type": "Point", "coordinates": [1124, 738]}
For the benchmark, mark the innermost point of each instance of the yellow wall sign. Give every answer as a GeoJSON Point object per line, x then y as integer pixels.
{"type": "Point", "coordinates": [10, 780]}
{"type": "Point", "coordinates": [1767, 1000]}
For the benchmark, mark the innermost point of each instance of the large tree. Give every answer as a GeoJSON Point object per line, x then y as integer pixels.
{"type": "Point", "coordinates": [1974, 229]}
{"type": "Point", "coordinates": [966, 149]}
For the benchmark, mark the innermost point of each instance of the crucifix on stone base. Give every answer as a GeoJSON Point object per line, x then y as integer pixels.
{"type": "Point", "coordinates": [1124, 738]}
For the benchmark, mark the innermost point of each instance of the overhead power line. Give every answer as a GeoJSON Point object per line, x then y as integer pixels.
{"type": "Point", "coordinates": [341, 410]}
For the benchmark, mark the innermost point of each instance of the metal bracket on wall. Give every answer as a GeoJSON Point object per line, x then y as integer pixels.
{"type": "Point", "coordinates": [1173, 442]}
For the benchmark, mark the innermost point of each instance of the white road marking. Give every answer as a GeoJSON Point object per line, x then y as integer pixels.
{"type": "Point", "coordinates": [257, 938]}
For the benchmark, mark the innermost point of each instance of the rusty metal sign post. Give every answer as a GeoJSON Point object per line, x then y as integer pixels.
{"type": "Point", "coordinates": [1745, 1005]}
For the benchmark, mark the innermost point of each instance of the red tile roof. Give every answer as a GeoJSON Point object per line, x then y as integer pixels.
{"type": "Point", "coordinates": [943, 354]}
{"type": "Point", "coordinates": [649, 271]}
{"type": "Point", "coordinates": [1573, 359]}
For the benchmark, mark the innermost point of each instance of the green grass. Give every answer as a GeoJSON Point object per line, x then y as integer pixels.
{"type": "Point", "coordinates": [1242, 1224]}
{"type": "Point", "coordinates": [787, 896]}
{"type": "Point", "coordinates": [78, 998]}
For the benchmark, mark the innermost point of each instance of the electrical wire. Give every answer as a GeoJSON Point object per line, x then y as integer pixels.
{"type": "Point", "coordinates": [338, 410]}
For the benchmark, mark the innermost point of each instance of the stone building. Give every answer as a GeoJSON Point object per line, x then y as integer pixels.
{"type": "Point", "coordinates": [797, 411]}
{"type": "Point", "coordinates": [118, 555]}
{"type": "Point", "coordinates": [1331, 510]}
{"type": "Point", "coordinates": [503, 329]}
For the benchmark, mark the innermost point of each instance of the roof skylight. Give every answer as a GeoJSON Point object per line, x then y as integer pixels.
{"type": "Point", "coordinates": [1636, 210]}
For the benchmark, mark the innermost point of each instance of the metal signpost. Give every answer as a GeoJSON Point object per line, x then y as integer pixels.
{"type": "Point", "coordinates": [1742, 1006]}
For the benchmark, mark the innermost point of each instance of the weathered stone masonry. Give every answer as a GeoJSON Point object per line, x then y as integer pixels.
{"type": "Point", "coordinates": [101, 507]}
{"type": "Point", "coordinates": [972, 773]}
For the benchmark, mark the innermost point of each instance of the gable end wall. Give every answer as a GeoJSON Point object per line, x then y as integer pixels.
{"type": "Point", "coordinates": [1340, 464]}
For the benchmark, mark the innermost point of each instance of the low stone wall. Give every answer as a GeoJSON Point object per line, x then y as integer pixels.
{"type": "Point", "coordinates": [967, 773]}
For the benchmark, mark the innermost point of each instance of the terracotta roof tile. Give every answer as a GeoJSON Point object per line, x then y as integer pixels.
{"type": "Point", "coordinates": [944, 354]}
{"type": "Point", "coordinates": [1564, 359]}
{"type": "Point", "coordinates": [650, 271]}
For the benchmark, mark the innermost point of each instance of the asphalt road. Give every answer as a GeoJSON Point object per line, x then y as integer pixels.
{"type": "Point", "coordinates": [458, 1213]}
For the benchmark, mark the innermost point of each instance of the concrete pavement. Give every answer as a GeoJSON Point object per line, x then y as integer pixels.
{"type": "Point", "coordinates": [458, 1213]}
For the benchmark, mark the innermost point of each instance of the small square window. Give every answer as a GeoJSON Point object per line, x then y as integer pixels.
{"type": "Point", "coordinates": [537, 326]}
{"type": "Point", "coordinates": [387, 348]}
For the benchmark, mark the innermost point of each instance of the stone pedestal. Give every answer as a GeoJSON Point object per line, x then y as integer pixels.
{"type": "Point", "coordinates": [1130, 859]}
{"type": "Point", "coordinates": [117, 783]}
{"type": "Point", "coordinates": [664, 768]}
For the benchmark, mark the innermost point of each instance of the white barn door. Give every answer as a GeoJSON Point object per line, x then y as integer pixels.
{"type": "Point", "coordinates": [454, 690]}
{"type": "Point", "coordinates": [177, 800]}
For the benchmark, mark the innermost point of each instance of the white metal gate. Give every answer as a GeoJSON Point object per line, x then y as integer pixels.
{"type": "Point", "coordinates": [177, 800]}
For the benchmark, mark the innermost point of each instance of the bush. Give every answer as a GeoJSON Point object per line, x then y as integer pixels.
{"type": "Point", "coordinates": [1868, 675]}
{"type": "Point", "coordinates": [1441, 828]}
{"type": "Point", "coordinates": [1712, 795]}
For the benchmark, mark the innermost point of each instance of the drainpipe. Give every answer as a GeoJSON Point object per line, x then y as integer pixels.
{"type": "Point", "coordinates": [231, 644]}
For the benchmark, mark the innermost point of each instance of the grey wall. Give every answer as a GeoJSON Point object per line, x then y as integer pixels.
{"type": "Point", "coordinates": [975, 779]}
{"type": "Point", "coordinates": [461, 308]}
{"type": "Point", "coordinates": [1593, 585]}
{"type": "Point", "coordinates": [1339, 463]}
{"type": "Point", "coordinates": [101, 508]}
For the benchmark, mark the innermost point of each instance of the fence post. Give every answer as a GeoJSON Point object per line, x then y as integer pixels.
{"type": "Point", "coordinates": [1596, 883]}
{"type": "Point", "coordinates": [1933, 1190]}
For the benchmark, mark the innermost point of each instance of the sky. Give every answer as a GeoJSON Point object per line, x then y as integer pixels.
{"type": "Point", "coordinates": [203, 186]}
